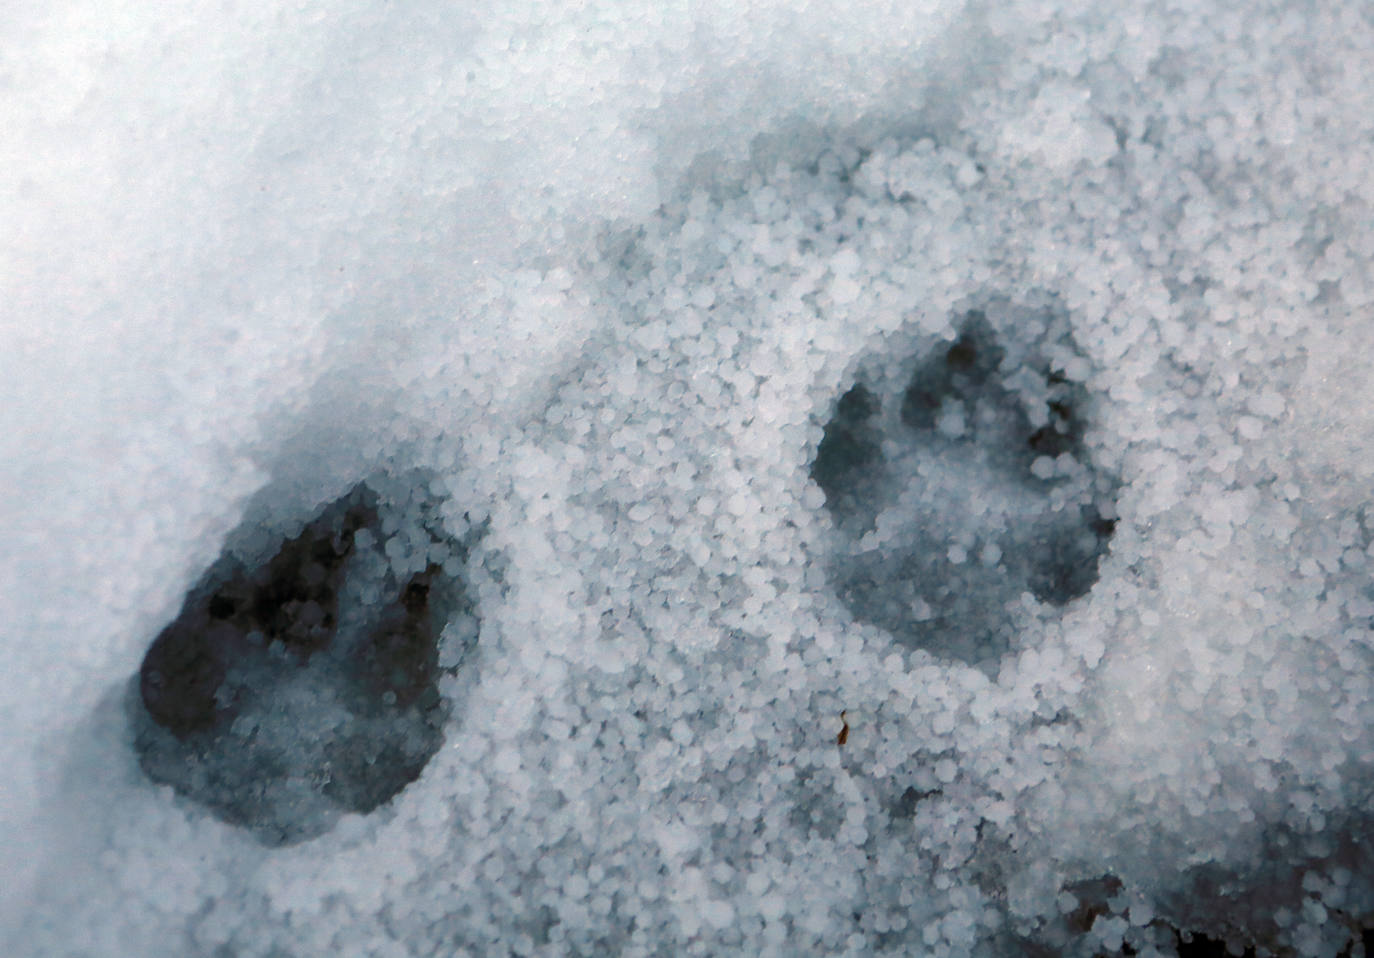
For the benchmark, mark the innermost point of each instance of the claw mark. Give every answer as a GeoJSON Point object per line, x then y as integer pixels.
{"type": "Point", "coordinates": [844, 731]}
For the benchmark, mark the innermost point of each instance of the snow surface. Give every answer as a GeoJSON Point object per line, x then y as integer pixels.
{"type": "Point", "coordinates": [596, 277]}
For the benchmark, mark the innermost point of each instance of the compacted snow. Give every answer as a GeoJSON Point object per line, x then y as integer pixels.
{"type": "Point", "coordinates": [686, 478]}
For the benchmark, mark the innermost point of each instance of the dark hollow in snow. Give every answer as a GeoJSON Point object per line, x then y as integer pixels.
{"type": "Point", "coordinates": [1202, 946]}
{"type": "Point", "coordinates": [287, 694]}
{"type": "Point", "coordinates": [989, 494]}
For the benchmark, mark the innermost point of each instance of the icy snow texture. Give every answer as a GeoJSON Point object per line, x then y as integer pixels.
{"type": "Point", "coordinates": [604, 271]}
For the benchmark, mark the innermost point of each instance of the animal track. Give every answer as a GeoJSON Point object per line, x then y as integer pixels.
{"type": "Point", "coordinates": [961, 491]}
{"type": "Point", "coordinates": [284, 695]}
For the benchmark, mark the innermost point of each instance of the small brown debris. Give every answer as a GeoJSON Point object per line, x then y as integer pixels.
{"type": "Point", "coordinates": [844, 731]}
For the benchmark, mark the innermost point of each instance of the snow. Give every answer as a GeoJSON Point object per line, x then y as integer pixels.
{"type": "Point", "coordinates": [995, 375]}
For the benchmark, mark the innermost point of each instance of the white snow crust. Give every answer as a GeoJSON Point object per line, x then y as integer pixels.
{"type": "Point", "coordinates": [600, 273]}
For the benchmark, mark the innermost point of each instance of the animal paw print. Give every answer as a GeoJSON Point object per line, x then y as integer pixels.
{"type": "Point", "coordinates": [285, 695]}
{"type": "Point", "coordinates": [960, 494]}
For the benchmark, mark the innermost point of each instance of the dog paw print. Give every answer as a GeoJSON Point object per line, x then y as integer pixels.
{"type": "Point", "coordinates": [284, 695]}
{"type": "Point", "coordinates": [962, 491]}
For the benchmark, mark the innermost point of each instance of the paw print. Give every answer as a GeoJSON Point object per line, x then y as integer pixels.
{"type": "Point", "coordinates": [962, 493]}
{"type": "Point", "coordinates": [284, 695]}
